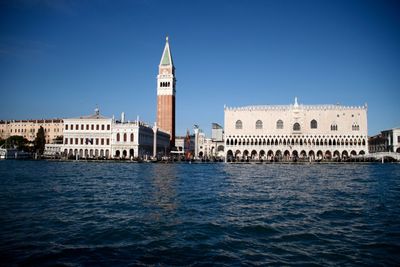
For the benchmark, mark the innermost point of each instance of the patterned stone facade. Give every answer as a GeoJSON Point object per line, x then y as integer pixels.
{"type": "Point", "coordinates": [295, 131]}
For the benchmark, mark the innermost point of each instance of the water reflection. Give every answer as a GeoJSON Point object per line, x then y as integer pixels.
{"type": "Point", "coordinates": [161, 198]}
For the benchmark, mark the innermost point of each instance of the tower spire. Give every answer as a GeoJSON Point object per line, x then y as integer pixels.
{"type": "Point", "coordinates": [166, 93]}
{"type": "Point", "coordinates": [166, 58]}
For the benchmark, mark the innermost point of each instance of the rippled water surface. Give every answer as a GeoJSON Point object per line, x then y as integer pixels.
{"type": "Point", "coordinates": [118, 214]}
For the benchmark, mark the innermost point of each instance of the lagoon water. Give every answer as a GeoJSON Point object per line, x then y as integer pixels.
{"type": "Point", "coordinates": [118, 214]}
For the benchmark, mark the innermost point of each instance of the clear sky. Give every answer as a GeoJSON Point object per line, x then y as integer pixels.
{"type": "Point", "coordinates": [60, 59]}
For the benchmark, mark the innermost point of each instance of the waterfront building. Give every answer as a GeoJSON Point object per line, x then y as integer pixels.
{"type": "Point", "coordinates": [88, 136]}
{"type": "Point", "coordinates": [185, 145]}
{"type": "Point", "coordinates": [53, 129]}
{"type": "Point", "coordinates": [207, 148]}
{"type": "Point", "coordinates": [386, 141]}
{"type": "Point", "coordinates": [138, 140]}
{"type": "Point", "coordinates": [96, 136]}
{"type": "Point", "coordinates": [166, 84]}
{"type": "Point", "coordinates": [295, 131]}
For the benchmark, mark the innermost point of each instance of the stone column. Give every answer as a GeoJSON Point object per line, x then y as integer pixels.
{"type": "Point", "coordinates": [155, 130]}
{"type": "Point", "coordinates": [196, 142]}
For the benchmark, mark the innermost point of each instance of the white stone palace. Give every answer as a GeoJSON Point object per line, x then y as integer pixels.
{"type": "Point", "coordinates": [296, 131]}
{"type": "Point", "coordinates": [96, 136]}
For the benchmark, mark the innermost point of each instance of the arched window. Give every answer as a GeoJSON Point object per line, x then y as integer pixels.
{"type": "Point", "coordinates": [259, 124]}
{"type": "Point", "coordinates": [334, 127]}
{"type": "Point", "coordinates": [238, 124]}
{"type": "Point", "coordinates": [131, 137]}
{"type": "Point", "coordinates": [296, 126]}
{"type": "Point", "coordinates": [279, 124]}
{"type": "Point", "coordinates": [118, 137]}
{"type": "Point", "coordinates": [314, 124]}
{"type": "Point", "coordinates": [124, 137]}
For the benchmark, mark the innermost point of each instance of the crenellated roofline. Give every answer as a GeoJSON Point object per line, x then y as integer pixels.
{"type": "Point", "coordinates": [293, 107]}
{"type": "Point", "coordinates": [297, 106]}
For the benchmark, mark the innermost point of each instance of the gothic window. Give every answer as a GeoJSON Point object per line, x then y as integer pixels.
{"type": "Point", "coordinates": [66, 127]}
{"type": "Point", "coordinates": [118, 137]}
{"type": "Point", "coordinates": [131, 137]}
{"type": "Point", "coordinates": [259, 124]}
{"type": "Point", "coordinates": [355, 127]}
{"type": "Point", "coordinates": [238, 124]}
{"type": "Point", "coordinates": [296, 127]}
{"type": "Point", "coordinates": [124, 137]}
{"type": "Point", "coordinates": [279, 124]}
{"type": "Point", "coordinates": [334, 127]}
{"type": "Point", "coordinates": [314, 124]}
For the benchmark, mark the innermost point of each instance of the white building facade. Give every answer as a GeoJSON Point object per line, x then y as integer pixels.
{"type": "Point", "coordinates": [99, 137]}
{"type": "Point", "coordinates": [291, 132]}
{"type": "Point", "coordinates": [386, 141]}
{"type": "Point", "coordinates": [88, 136]}
{"type": "Point", "coordinates": [137, 140]}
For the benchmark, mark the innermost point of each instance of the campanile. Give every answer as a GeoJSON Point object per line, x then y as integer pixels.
{"type": "Point", "coordinates": [166, 94]}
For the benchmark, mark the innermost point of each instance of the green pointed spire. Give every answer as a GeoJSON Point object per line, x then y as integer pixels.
{"type": "Point", "coordinates": [166, 59]}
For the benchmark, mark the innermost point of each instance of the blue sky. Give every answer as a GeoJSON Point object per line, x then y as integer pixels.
{"type": "Point", "coordinates": [62, 58]}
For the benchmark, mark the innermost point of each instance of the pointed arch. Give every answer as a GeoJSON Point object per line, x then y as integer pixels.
{"type": "Point", "coordinates": [279, 124]}
{"type": "Point", "coordinates": [259, 124]}
{"type": "Point", "coordinates": [296, 126]}
{"type": "Point", "coordinates": [313, 124]}
{"type": "Point", "coordinates": [239, 124]}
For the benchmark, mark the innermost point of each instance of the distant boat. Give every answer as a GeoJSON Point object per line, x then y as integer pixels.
{"type": "Point", "coordinates": [12, 153]}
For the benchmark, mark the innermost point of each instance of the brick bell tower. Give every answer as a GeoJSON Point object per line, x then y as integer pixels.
{"type": "Point", "coordinates": [166, 94]}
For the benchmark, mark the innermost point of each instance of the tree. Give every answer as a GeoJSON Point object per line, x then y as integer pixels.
{"type": "Point", "coordinates": [40, 141]}
{"type": "Point", "coordinates": [17, 142]}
